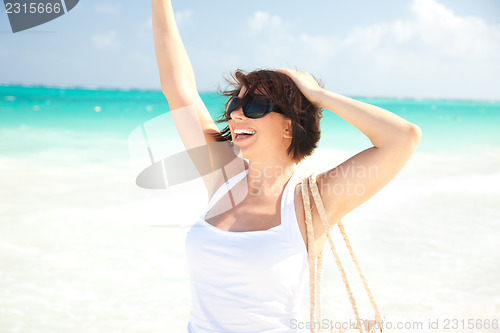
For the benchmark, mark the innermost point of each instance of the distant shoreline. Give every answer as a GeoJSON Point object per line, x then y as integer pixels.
{"type": "Point", "coordinates": [118, 89]}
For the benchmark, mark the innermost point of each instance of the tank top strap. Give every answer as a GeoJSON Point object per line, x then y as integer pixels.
{"type": "Point", "coordinates": [288, 215]}
{"type": "Point", "coordinates": [287, 199]}
{"type": "Point", "coordinates": [228, 185]}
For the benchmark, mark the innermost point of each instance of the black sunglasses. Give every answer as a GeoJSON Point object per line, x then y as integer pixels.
{"type": "Point", "coordinates": [254, 108]}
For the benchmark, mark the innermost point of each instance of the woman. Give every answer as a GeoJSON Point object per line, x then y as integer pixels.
{"type": "Point", "coordinates": [248, 252]}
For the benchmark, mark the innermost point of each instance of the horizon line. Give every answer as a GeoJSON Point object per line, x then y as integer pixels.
{"type": "Point", "coordinates": [103, 88]}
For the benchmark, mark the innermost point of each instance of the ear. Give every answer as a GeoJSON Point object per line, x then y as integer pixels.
{"type": "Point", "coordinates": [287, 133]}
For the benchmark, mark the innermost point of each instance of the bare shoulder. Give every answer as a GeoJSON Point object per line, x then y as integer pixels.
{"type": "Point", "coordinates": [217, 178]}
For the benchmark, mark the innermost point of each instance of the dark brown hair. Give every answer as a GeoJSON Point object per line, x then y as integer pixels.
{"type": "Point", "coordinates": [285, 94]}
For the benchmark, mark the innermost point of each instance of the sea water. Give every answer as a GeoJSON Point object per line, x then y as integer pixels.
{"type": "Point", "coordinates": [84, 249]}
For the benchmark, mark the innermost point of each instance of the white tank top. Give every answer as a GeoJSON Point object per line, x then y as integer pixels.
{"type": "Point", "coordinates": [249, 281]}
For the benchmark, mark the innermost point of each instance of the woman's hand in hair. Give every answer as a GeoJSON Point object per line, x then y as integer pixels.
{"type": "Point", "coordinates": [306, 83]}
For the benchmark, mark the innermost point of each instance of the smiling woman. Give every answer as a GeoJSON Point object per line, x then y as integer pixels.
{"type": "Point", "coordinates": [283, 97]}
{"type": "Point", "coordinates": [248, 252]}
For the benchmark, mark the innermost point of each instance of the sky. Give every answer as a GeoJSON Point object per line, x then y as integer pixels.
{"type": "Point", "coordinates": [385, 48]}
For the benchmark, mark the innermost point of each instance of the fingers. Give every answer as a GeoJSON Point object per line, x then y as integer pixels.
{"type": "Point", "coordinates": [291, 72]}
{"type": "Point", "coordinates": [285, 71]}
{"type": "Point", "coordinates": [297, 76]}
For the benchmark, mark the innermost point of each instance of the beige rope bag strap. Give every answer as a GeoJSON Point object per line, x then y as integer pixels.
{"type": "Point", "coordinates": [309, 184]}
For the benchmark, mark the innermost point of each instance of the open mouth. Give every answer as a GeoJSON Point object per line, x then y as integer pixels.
{"type": "Point", "coordinates": [241, 134]}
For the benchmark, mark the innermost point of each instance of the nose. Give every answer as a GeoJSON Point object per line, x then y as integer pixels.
{"type": "Point", "coordinates": [238, 114]}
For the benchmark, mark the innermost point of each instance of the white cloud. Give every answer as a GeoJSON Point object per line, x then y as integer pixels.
{"type": "Point", "coordinates": [435, 30]}
{"type": "Point", "coordinates": [467, 37]}
{"type": "Point", "coordinates": [403, 31]}
{"type": "Point", "coordinates": [277, 44]}
{"type": "Point", "coordinates": [107, 8]}
{"type": "Point", "coordinates": [105, 40]}
{"type": "Point", "coordinates": [262, 21]}
{"type": "Point", "coordinates": [183, 18]}
{"type": "Point", "coordinates": [321, 46]}
{"type": "Point", "coordinates": [435, 47]}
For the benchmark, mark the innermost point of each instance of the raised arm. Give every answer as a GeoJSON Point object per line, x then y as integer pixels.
{"type": "Point", "coordinates": [192, 119]}
{"type": "Point", "coordinates": [176, 73]}
{"type": "Point", "coordinates": [354, 181]}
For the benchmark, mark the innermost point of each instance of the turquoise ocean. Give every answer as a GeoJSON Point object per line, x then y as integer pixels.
{"type": "Point", "coordinates": [84, 249]}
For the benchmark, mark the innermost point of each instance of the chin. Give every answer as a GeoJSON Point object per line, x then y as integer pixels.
{"type": "Point", "coordinates": [243, 152]}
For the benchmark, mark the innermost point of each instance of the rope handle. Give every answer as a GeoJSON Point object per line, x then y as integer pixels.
{"type": "Point", "coordinates": [309, 183]}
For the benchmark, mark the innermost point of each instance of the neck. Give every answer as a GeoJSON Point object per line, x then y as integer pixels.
{"type": "Point", "coordinates": [267, 179]}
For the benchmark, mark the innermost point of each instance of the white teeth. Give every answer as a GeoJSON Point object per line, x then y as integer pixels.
{"type": "Point", "coordinates": [243, 131]}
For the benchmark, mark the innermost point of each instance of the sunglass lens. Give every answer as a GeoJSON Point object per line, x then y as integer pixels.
{"type": "Point", "coordinates": [231, 106]}
{"type": "Point", "coordinates": [257, 109]}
